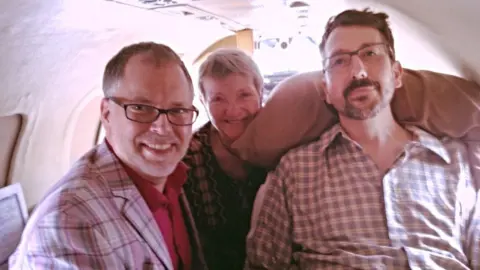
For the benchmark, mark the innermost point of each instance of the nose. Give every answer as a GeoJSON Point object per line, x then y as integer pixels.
{"type": "Point", "coordinates": [233, 110]}
{"type": "Point", "coordinates": [162, 125]}
{"type": "Point", "coordinates": [358, 69]}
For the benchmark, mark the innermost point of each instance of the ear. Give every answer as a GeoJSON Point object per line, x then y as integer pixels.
{"type": "Point", "coordinates": [104, 112]}
{"type": "Point", "coordinates": [323, 88]}
{"type": "Point", "coordinates": [398, 74]}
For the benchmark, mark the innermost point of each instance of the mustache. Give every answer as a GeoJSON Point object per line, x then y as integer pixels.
{"type": "Point", "coordinates": [360, 83]}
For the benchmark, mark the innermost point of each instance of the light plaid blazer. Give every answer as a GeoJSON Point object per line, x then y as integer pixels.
{"type": "Point", "coordinates": [95, 218]}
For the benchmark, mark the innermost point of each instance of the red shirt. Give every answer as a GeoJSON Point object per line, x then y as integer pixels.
{"type": "Point", "coordinates": [168, 214]}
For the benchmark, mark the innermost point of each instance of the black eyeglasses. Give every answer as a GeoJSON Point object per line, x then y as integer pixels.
{"type": "Point", "coordinates": [142, 113]}
{"type": "Point", "coordinates": [368, 54]}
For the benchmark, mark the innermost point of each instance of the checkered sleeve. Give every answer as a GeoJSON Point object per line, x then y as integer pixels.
{"type": "Point", "coordinates": [473, 236]}
{"type": "Point", "coordinates": [60, 241]}
{"type": "Point", "coordinates": [473, 229]}
{"type": "Point", "coordinates": [269, 243]}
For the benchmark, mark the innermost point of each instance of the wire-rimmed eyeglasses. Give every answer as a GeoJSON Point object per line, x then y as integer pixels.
{"type": "Point", "coordinates": [368, 54]}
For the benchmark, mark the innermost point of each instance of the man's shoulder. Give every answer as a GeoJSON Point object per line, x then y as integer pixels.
{"type": "Point", "coordinates": [316, 146]}
{"type": "Point", "coordinates": [79, 190]}
{"type": "Point", "coordinates": [447, 147]}
{"type": "Point", "coordinates": [80, 212]}
{"type": "Point", "coordinates": [460, 151]}
{"type": "Point", "coordinates": [308, 154]}
{"type": "Point", "coordinates": [454, 145]}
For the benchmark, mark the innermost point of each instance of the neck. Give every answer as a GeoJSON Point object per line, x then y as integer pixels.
{"type": "Point", "coordinates": [228, 161]}
{"type": "Point", "coordinates": [378, 131]}
{"type": "Point", "coordinates": [220, 141]}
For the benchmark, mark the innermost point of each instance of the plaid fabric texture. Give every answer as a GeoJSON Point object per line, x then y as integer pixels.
{"type": "Point", "coordinates": [95, 218]}
{"type": "Point", "coordinates": [327, 206]}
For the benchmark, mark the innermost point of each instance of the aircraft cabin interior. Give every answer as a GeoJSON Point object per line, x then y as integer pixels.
{"type": "Point", "coordinates": [54, 52]}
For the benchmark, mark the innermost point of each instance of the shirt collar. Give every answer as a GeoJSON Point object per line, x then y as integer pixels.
{"type": "Point", "coordinates": [171, 191]}
{"type": "Point", "coordinates": [329, 136]}
{"type": "Point", "coordinates": [430, 142]}
{"type": "Point", "coordinates": [422, 138]}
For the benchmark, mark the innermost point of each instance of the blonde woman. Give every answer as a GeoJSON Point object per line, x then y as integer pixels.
{"type": "Point", "coordinates": [221, 188]}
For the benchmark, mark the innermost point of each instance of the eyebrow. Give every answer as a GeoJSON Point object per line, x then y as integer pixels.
{"type": "Point", "coordinates": [343, 51]}
{"type": "Point", "coordinates": [142, 100]}
{"type": "Point", "coordinates": [179, 104]}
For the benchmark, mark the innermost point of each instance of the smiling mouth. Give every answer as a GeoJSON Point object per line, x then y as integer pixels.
{"type": "Point", "coordinates": [159, 146]}
{"type": "Point", "coordinates": [158, 150]}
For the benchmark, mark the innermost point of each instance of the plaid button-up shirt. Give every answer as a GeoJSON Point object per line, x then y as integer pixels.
{"type": "Point", "coordinates": [327, 206]}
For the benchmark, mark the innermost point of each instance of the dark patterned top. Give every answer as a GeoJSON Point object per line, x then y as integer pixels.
{"type": "Point", "coordinates": [221, 206]}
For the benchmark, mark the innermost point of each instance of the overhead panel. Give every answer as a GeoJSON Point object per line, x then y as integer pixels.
{"type": "Point", "coordinates": [270, 17]}
{"type": "Point", "coordinates": [198, 13]}
{"type": "Point", "coordinates": [188, 9]}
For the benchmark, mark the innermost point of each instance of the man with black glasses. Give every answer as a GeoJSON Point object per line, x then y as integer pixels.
{"type": "Point", "coordinates": [369, 193]}
{"type": "Point", "coordinates": [122, 206]}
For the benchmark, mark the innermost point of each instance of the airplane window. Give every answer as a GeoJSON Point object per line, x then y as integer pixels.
{"type": "Point", "coordinates": [9, 133]}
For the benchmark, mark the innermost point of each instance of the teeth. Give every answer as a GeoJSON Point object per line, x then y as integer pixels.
{"type": "Point", "coordinates": [159, 146]}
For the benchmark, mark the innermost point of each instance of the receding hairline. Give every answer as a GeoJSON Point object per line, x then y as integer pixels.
{"type": "Point", "coordinates": [147, 58]}
{"type": "Point", "coordinates": [149, 53]}
{"type": "Point", "coordinates": [150, 63]}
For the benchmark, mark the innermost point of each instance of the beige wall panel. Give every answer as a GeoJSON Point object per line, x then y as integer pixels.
{"type": "Point", "coordinates": [226, 42]}
{"type": "Point", "coordinates": [245, 40]}
{"type": "Point", "coordinates": [84, 128]}
{"type": "Point", "coordinates": [242, 39]}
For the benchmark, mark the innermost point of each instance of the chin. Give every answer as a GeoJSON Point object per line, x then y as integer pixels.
{"type": "Point", "coordinates": [233, 133]}
{"type": "Point", "coordinates": [161, 171]}
{"type": "Point", "coordinates": [232, 136]}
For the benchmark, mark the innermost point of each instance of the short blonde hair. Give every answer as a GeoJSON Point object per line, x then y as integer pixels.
{"type": "Point", "coordinates": [223, 62]}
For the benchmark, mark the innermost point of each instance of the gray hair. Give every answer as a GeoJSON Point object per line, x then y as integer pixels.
{"type": "Point", "coordinates": [224, 62]}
